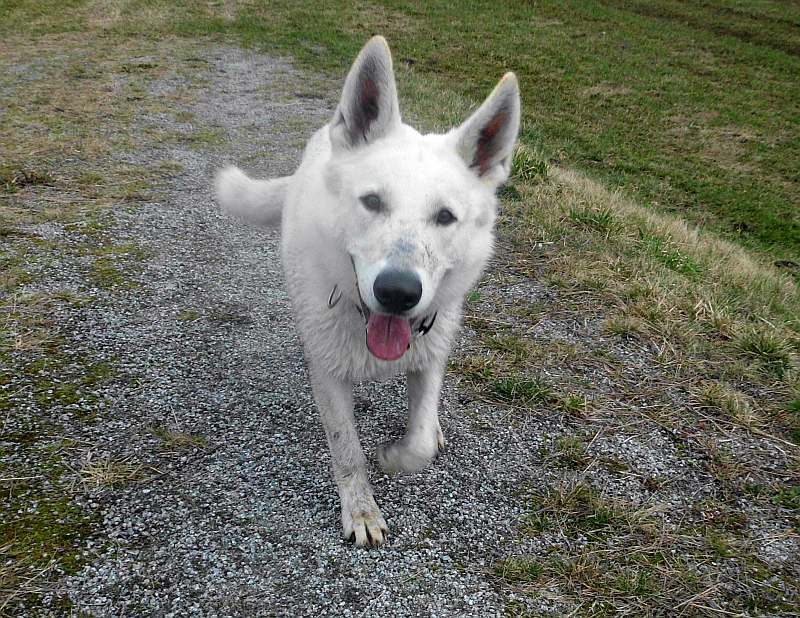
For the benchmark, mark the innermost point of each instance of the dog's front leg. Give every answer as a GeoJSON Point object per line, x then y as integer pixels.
{"type": "Point", "coordinates": [424, 436]}
{"type": "Point", "coordinates": [361, 517]}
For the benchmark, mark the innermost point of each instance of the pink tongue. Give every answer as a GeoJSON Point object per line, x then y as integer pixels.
{"type": "Point", "coordinates": [388, 336]}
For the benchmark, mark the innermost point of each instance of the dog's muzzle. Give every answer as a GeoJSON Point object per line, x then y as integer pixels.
{"type": "Point", "coordinates": [387, 336]}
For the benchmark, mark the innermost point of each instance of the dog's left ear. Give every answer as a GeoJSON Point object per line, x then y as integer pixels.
{"type": "Point", "coordinates": [486, 140]}
{"type": "Point", "coordinates": [368, 109]}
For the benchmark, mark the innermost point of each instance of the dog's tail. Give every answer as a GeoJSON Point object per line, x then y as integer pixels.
{"type": "Point", "coordinates": [259, 202]}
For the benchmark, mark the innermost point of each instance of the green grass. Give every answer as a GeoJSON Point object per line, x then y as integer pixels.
{"type": "Point", "coordinates": [571, 452]}
{"type": "Point", "coordinates": [662, 251]}
{"type": "Point", "coordinates": [529, 166]}
{"type": "Point", "coordinates": [766, 347]}
{"type": "Point", "coordinates": [605, 557]}
{"type": "Point", "coordinates": [709, 322]}
{"type": "Point", "coordinates": [600, 219]}
{"type": "Point", "coordinates": [188, 315]}
{"type": "Point", "coordinates": [520, 390]}
{"type": "Point", "coordinates": [13, 178]}
{"type": "Point", "coordinates": [69, 387]}
{"type": "Point", "coordinates": [42, 530]}
{"type": "Point", "coordinates": [106, 273]}
{"type": "Point", "coordinates": [688, 107]}
{"type": "Point", "coordinates": [789, 498]}
{"type": "Point", "coordinates": [56, 170]}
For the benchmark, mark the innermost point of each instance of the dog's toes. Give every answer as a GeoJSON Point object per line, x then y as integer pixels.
{"type": "Point", "coordinates": [376, 534]}
{"type": "Point", "coordinates": [440, 442]}
{"type": "Point", "coordinates": [367, 529]}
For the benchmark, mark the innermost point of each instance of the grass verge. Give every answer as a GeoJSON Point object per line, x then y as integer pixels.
{"type": "Point", "coordinates": [607, 557]}
{"type": "Point", "coordinates": [68, 101]}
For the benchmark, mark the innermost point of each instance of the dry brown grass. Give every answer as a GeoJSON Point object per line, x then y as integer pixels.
{"type": "Point", "coordinates": [662, 279]}
{"type": "Point", "coordinates": [21, 579]}
{"type": "Point", "coordinates": [695, 337]}
{"type": "Point", "coordinates": [175, 439]}
{"type": "Point", "coordinates": [721, 398]}
{"type": "Point", "coordinates": [108, 472]}
{"type": "Point", "coordinates": [728, 265]}
{"type": "Point", "coordinates": [26, 323]}
{"type": "Point", "coordinates": [606, 557]}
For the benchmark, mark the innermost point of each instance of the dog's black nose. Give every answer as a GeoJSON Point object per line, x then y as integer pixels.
{"type": "Point", "coordinates": [397, 290]}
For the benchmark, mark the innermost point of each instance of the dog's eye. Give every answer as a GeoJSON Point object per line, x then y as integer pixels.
{"type": "Point", "coordinates": [445, 217]}
{"type": "Point", "coordinates": [372, 202]}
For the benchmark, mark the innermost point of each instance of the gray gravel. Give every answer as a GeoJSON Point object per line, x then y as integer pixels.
{"type": "Point", "coordinates": [250, 524]}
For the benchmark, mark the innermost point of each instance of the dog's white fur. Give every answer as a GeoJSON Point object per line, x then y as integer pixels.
{"type": "Point", "coordinates": [333, 248]}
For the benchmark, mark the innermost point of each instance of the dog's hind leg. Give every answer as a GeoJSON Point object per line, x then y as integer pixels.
{"type": "Point", "coordinates": [424, 436]}
{"type": "Point", "coordinates": [259, 202]}
{"type": "Point", "coordinates": [361, 517]}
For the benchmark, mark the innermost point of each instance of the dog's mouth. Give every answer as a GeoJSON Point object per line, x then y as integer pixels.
{"type": "Point", "coordinates": [390, 336]}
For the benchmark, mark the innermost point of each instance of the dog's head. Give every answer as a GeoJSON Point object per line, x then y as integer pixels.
{"type": "Point", "coordinates": [418, 210]}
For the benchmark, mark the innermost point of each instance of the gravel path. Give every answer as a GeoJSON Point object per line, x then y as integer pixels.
{"type": "Point", "coordinates": [249, 524]}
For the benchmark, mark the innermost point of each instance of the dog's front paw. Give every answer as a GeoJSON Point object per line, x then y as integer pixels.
{"type": "Point", "coordinates": [363, 523]}
{"type": "Point", "coordinates": [408, 455]}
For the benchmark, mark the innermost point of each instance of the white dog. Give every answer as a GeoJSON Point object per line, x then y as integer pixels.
{"type": "Point", "coordinates": [384, 232]}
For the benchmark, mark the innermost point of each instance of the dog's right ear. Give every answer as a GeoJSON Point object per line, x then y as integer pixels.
{"type": "Point", "coordinates": [368, 109]}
